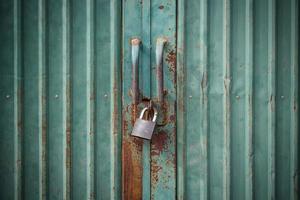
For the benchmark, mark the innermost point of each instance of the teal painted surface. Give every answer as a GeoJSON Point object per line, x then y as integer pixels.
{"type": "Point", "coordinates": [237, 93]}
{"type": "Point", "coordinates": [163, 145]}
{"type": "Point", "coordinates": [149, 168]}
{"type": "Point", "coordinates": [60, 73]}
{"type": "Point", "coordinates": [232, 99]}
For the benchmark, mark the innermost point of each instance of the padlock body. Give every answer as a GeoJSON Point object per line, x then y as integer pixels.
{"type": "Point", "coordinates": [143, 129]}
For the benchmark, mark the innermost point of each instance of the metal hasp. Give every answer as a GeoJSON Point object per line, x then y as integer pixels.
{"type": "Point", "coordinates": [144, 128]}
{"type": "Point", "coordinates": [160, 43]}
{"type": "Point", "coordinates": [135, 43]}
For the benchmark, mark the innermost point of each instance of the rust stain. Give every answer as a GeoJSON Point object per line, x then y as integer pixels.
{"type": "Point", "coordinates": [132, 169]}
{"type": "Point", "coordinates": [135, 41]}
{"type": "Point", "coordinates": [131, 157]}
{"type": "Point", "coordinates": [125, 126]}
{"type": "Point", "coordinates": [172, 118]}
{"type": "Point", "coordinates": [155, 169]}
{"type": "Point", "coordinates": [159, 142]}
{"type": "Point", "coordinates": [162, 108]}
{"type": "Point", "coordinates": [171, 59]}
{"type": "Point", "coordinates": [68, 149]}
{"type": "Point", "coordinates": [161, 7]}
{"type": "Point", "coordinates": [133, 113]}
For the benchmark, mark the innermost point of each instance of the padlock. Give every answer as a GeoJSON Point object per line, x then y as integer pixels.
{"type": "Point", "coordinates": [144, 128]}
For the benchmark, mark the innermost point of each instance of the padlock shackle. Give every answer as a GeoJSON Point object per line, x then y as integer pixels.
{"type": "Point", "coordinates": [154, 115]}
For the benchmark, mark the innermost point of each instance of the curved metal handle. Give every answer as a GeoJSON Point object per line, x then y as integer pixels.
{"type": "Point", "coordinates": [135, 43]}
{"type": "Point", "coordinates": [160, 43]}
{"type": "Point", "coordinates": [154, 115]}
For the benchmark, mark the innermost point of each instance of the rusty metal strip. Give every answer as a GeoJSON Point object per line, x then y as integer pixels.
{"type": "Point", "coordinates": [131, 147]}
{"type": "Point", "coordinates": [294, 137]}
{"type": "Point", "coordinates": [131, 165]}
{"type": "Point", "coordinates": [249, 102]}
{"type": "Point", "coordinates": [271, 95]}
{"type": "Point", "coordinates": [66, 96]}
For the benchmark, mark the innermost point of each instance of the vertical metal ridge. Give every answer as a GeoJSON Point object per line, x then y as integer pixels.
{"type": "Point", "coordinates": [42, 99]}
{"type": "Point", "coordinates": [249, 100]}
{"type": "Point", "coordinates": [17, 102]}
{"type": "Point", "coordinates": [180, 107]}
{"type": "Point", "coordinates": [271, 95]}
{"type": "Point", "coordinates": [204, 101]}
{"type": "Point", "coordinates": [116, 106]}
{"type": "Point", "coordinates": [66, 100]}
{"type": "Point", "coordinates": [90, 97]}
{"type": "Point", "coordinates": [294, 138]}
{"type": "Point", "coordinates": [226, 98]}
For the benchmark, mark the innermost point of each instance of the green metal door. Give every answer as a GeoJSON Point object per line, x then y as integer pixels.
{"type": "Point", "coordinates": [149, 167]}
{"type": "Point", "coordinates": [227, 98]}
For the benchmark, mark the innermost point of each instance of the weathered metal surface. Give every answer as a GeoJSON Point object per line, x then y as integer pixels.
{"type": "Point", "coordinates": [149, 170]}
{"type": "Point", "coordinates": [237, 111]}
{"type": "Point", "coordinates": [227, 97]}
{"type": "Point", "coordinates": [163, 144]}
{"type": "Point", "coordinates": [60, 105]}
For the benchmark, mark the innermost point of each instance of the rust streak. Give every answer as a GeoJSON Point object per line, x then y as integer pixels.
{"type": "Point", "coordinates": [155, 173]}
{"type": "Point", "coordinates": [131, 157]}
{"type": "Point", "coordinates": [171, 59]}
{"type": "Point", "coordinates": [68, 149]}
{"type": "Point", "coordinates": [159, 142]}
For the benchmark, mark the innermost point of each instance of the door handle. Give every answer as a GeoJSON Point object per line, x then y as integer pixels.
{"type": "Point", "coordinates": [135, 48]}
{"type": "Point", "coordinates": [160, 43]}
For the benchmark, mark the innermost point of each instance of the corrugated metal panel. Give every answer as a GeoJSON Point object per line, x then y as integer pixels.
{"type": "Point", "coordinates": [60, 76]}
{"type": "Point", "coordinates": [149, 168]}
{"type": "Point", "coordinates": [237, 99]}
{"type": "Point", "coordinates": [63, 91]}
